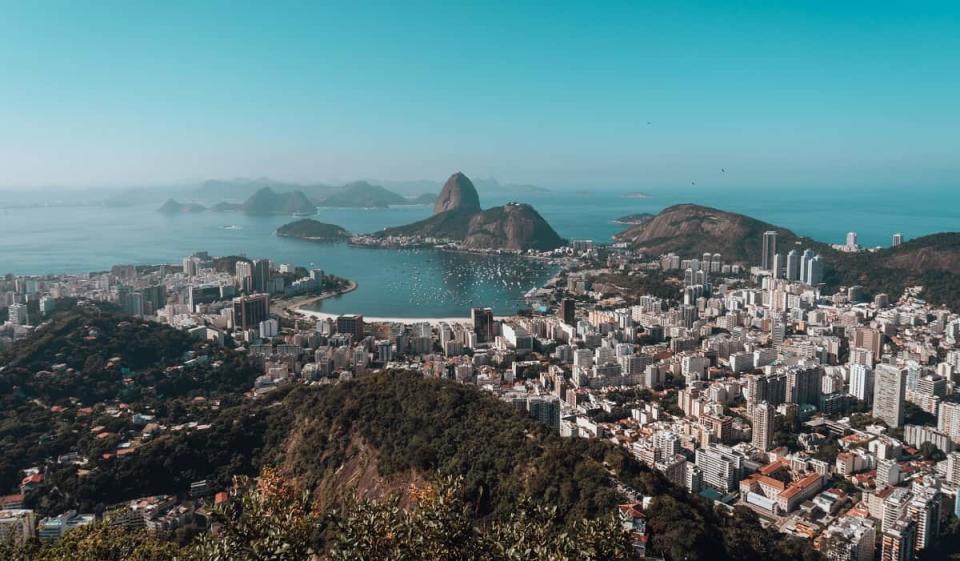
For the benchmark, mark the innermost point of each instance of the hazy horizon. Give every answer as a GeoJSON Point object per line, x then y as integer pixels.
{"type": "Point", "coordinates": [562, 95]}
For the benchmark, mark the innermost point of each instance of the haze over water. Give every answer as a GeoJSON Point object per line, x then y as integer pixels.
{"type": "Point", "coordinates": [428, 283]}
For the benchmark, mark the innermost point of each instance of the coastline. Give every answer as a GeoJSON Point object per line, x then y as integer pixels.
{"type": "Point", "coordinates": [292, 306]}
{"type": "Point", "coordinates": [373, 319]}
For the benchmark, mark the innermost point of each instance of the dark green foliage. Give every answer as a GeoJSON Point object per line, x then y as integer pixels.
{"type": "Point", "coordinates": [652, 283]}
{"type": "Point", "coordinates": [309, 229]}
{"type": "Point", "coordinates": [85, 339]}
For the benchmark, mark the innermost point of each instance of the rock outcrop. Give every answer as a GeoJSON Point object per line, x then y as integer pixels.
{"type": "Point", "coordinates": [690, 229]}
{"type": "Point", "coordinates": [458, 194]}
{"type": "Point", "coordinates": [457, 216]}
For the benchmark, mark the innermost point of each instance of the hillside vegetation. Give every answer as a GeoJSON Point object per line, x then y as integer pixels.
{"type": "Point", "coordinates": [690, 230]}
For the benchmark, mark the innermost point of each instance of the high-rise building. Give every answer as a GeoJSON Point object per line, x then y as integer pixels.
{"type": "Point", "coordinates": [249, 311]}
{"type": "Point", "coordinates": [924, 509]}
{"type": "Point", "coordinates": [897, 239]}
{"type": "Point", "coordinates": [805, 260]}
{"type": "Point", "coordinates": [861, 382]}
{"type": "Point", "coordinates": [352, 325]}
{"type": "Point", "coordinates": [261, 275]}
{"type": "Point", "coordinates": [720, 468]}
{"type": "Point", "coordinates": [154, 298]}
{"type": "Point", "coordinates": [244, 275]}
{"type": "Point", "coordinates": [568, 311]}
{"type": "Point", "coordinates": [898, 543]}
{"type": "Point", "coordinates": [763, 426]}
{"type": "Point", "coordinates": [793, 265]}
{"type": "Point", "coordinates": [803, 385]}
{"type": "Point", "coordinates": [852, 240]}
{"type": "Point", "coordinates": [483, 324]}
{"type": "Point", "coordinates": [546, 409]}
{"type": "Point", "coordinates": [889, 392]}
{"type": "Point", "coordinates": [203, 295]}
{"type": "Point", "coordinates": [815, 271]}
{"type": "Point", "coordinates": [18, 315]}
{"type": "Point", "coordinates": [869, 339]}
{"type": "Point", "coordinates": [948, 422]}
{"type": "Point", "coordinates": [779, 264]}
{"type": "Point", "coordinates": [191, 265]}
{"type": "Point", "coordinates": [769, 249]}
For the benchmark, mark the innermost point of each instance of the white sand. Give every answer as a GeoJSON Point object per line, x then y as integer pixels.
{"type": "Point", "coordinates": [371, 319]}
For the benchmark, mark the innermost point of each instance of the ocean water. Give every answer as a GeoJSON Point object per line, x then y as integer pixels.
{"type": "Point", "coordinates": [427, 283]}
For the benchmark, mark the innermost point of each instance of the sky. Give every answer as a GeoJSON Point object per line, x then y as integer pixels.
{"type": "Point", "coordinates": [631, 94]}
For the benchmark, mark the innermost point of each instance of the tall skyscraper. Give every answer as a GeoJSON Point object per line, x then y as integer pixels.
{"type": "Point", "coordinates": [793, 265]}
{"type": "Point", "coordinates": [851, 240]}
{"type": "Point", "coordinates": [261, 275]}
{"type": "Point", "coordinates": [352, 325]}
{"type": "Point", "coordinates": [244, 274]}
{"type": "Point", "coordinates": [769, 249]}
{"type": "Point", "coordinates": [763, 426]}
{"type": "Point", "coordinates": [803, 385]}
{"type": "Point", "coordinates": [805, 260]}
{"type": "Point", "coordinates": [897, 239]}
{"type": "Point", "coordinates": [779, 265]}
{"type": "Point", "coordinates": [898, 543]}
{"type": "Point", "coordinates": [889, 392]}
{"type": "Point", "coordinates": [482, 324]}
{"type": "Point", "coordinates": [568, 307]}
{"type": "Point", "coordinates": [861, 382]}
{"type": "Point", "coordinates": [815, 271]}
{"type": "Point", "coordinates": [249, 311]}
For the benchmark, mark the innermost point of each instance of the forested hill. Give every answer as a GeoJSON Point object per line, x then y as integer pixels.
{"type": "Point", "coordinates": [690, 230]}
{"type": "Point", "coordinates": [413, 429]}
{"type": "Point", "coordinates": [376, 436]}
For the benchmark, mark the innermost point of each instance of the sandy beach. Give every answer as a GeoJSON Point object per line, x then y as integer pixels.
{"type": "Point", "coordinates": [373, 319]}
{"type": "Point", "coordinates": [288, 306]}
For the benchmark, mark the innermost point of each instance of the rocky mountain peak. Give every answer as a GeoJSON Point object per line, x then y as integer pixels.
{"type": "Point", "coordinates": [459, 194]}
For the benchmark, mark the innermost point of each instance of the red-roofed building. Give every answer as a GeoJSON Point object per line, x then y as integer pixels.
{"type": "Point", "coordinates": [11, 502]}
{"type": "Point", "coordinates": [31, 482]}
{"type": "Point", "coordinates": [634, 521]}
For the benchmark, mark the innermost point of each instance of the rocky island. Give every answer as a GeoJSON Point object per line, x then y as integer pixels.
{"type": "Point", "coordinates": [266, 201]}
{"type": "Point", "coordinates": [313, 230]}
{"type": "Point", "coordinates": [458, 218]}
{"type": "Point", "coordinates": [172, 206]}
{"type": "Point", "coordinates": [634, 219]}
{"type": "Point", "coordinates": [363, 195]}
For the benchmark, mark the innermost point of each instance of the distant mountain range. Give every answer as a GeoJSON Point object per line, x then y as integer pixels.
{"type": "Point", "coordinates": [366, 195]}
{"type": "Point", "coordinates": [457, 216]}
{"type": "Point", "coordinates": [277, 200]}
{"type": "Point", "coordinates": [172, 206]}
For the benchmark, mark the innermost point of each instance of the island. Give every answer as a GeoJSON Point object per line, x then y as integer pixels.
{"type": "Point", "coordinates": [634, 219]}
{"type": "Point", "coordinates": [172, 206]}
{"type": "Point", "coordinates": [363, 195]}
{"type": "Point", "coordinates": [458, 220]}
{"type": "Point", "coordinates": [266, 201]}
{"type": "Point", "coordinates": [313, 230]}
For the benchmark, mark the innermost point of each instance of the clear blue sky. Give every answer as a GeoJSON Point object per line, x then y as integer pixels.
{"type": "Point", "coordinates": [778, 93]}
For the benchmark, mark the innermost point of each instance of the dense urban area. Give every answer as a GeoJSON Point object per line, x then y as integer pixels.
{"type": "Point", "coordinates": [708, 408]}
